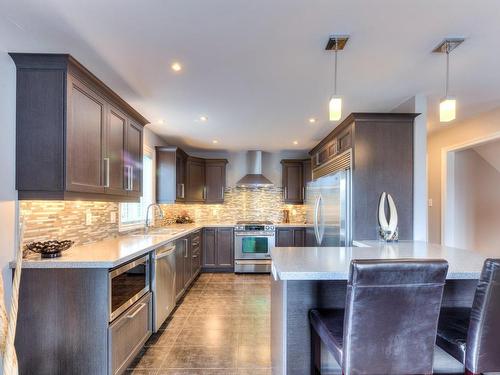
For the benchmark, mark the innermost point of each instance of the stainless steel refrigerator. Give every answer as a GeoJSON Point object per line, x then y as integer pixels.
{"type": "Point", "coordinates": [328, 200]}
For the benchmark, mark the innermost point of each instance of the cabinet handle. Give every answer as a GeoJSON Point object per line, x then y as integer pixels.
{"type": "Point", "coordinates": [285, 192]}
{"type": "Point", "coordinates": [128, 173]}
{"type": "Point", "coordinates": [222, 192]}
{"type": "Point", "coordinates": [106, 174]}
{"type": "Point", "coordinates": [131, 177]}
{"type": "Point", "coordinates": [132, 316]}
{"type": "Point", "coordinates": [181, 195]}
{"type": "Point", "coordinates": [186, 248]}
{"type": "Point", "coordinates": [204, 192]}
{"type": "Point", "coordinates": [303, 192]}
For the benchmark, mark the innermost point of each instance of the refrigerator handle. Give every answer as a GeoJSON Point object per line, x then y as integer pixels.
{"type": "Point", "coordinates": [321, 226]}
{"type": "Point", "coordinates": [316, 211]}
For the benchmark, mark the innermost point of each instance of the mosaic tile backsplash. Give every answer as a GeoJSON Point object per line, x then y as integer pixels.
{"type": "Point", "coordinates": [46, 220]}
{"type": "Point", "coordinates": [239, 204]}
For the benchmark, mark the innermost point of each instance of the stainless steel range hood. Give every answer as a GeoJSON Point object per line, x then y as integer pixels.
{"type": "Point", "coordinates": [254, 176]}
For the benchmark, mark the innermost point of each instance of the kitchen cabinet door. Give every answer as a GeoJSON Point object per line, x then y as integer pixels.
{"type": "Point", "coordinates": [180, 252]}
{"type": "Point", "coordinates": [195, 253]}
{"type": "Point", "coordinates": [187, 263]}
{"type": "Point", "coordinates": [225, 247]}
{"type": "Point", "coordinates": [299, 237]}
{"type": "Point", "coordinates": [209, 247]}
{"type": "Point", "coordinates": [307, 177]}
{"type": "Point", "coordinates": [284, 237]}
{"type": "Point", "coordinates": [215, 176]}
{"type": "Point", "coordinates": [114, 174]}
{"type": "Point", "coordinates": [195, 189]}
{"type": "Point", "coordinates": [133, 160]}
{"type": "Point", "coordinates": [180, 176]}
{"type": "Point", "coordinates": [290, 237]}
{"type": "Point", "coordinates": [84, 155]}
{"type": "Point", "coordinates": [292, 180]}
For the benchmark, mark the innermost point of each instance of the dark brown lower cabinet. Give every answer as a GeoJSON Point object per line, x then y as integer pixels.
{"type": "Point", "coordinates": [218, 249]}
{"type": "Point", "coordinates": [187, 262]}
{"type": "Point", "coordinates": [79, 339]}
{"type": "Point", "coordinates": [195, 243]}
{"type": "Point", "coordinates": [290, 237]}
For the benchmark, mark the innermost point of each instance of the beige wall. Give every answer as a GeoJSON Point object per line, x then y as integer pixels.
{"type": "Point", "coordinates": [459, 133]}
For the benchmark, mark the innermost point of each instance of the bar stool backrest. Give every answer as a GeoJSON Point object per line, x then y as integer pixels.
{"type": "Point", "coordinates": [391, 316]}
{"type": "Point", "coordinates": [483, 338]}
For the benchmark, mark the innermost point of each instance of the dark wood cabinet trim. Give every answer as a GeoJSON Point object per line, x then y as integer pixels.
{"type": "Point", "coordinates": [360, 117]}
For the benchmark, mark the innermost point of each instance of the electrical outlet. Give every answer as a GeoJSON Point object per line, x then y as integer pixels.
{"type": "Point", "coordinates": [112, 217]}
{"type": "Point", "coordinates": [430, 202]}
{"type": "Point", "coordinates": [88, 218]}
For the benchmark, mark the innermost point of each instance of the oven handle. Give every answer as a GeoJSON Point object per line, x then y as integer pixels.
{"type": "Point", "coordinates": [254, 235]}
{"type": "Point", "coordinates": [132, 316]}
{"type": "Point", "coordinates": [128, 266]}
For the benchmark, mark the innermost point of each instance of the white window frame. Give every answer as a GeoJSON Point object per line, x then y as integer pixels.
{"type": "Point", "coordinates": [125, 227]}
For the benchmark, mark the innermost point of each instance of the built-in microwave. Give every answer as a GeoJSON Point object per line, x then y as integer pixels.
{"type": "Point", "coordinates": [127, 284]}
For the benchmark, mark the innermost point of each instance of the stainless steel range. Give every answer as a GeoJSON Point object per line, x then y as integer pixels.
{"type": "Point", "coordinates": [253, 242]}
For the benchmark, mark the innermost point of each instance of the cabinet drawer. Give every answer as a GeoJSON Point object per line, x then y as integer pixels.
{"type": "Point", "coordinates": [128, 333]}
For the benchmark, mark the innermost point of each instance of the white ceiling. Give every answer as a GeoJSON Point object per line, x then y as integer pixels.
{"type": "Point", "coordinates": [257, 68]}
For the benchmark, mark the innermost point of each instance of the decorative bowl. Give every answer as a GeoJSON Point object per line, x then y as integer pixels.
{"type": "Point", "coordinates": [49, 249]}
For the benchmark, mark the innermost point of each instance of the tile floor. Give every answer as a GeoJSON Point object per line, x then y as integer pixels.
{"type": "Point", "coordinates": [222, 327]}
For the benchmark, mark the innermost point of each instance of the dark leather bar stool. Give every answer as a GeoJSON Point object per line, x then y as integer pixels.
{"type": "Point", "coordinates": [390, 320]}
{"type": "Point", "coordinates": [472, 335]}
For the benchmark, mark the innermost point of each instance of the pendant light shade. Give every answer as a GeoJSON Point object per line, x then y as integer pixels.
{"type": "Point", "coordinates": [335, 108]}
{"type": "Point", "coordinates": [448, 105]}
{"type": "Point", "coordinates": [447, 109]}
{"type": "Point", "coordinates": [335, 43]}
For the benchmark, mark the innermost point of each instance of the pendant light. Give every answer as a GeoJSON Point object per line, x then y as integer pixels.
{"type": "Point", "coordinates": [448, 105]}
{"type": "Point", "coordinates": [335, 43]}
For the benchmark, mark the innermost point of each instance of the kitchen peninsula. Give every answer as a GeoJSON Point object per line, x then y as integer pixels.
{"type": "Point", "coordinates": [316, 277]}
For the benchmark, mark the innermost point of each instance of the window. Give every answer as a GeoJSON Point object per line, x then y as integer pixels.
{"type": "Point", "coordinates": [133, 215]}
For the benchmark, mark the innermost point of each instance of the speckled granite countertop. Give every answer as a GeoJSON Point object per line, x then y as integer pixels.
{"type": "Point", "coordinates": [112, 252]}
{"type": "Point", "coordinates": [332, 263]}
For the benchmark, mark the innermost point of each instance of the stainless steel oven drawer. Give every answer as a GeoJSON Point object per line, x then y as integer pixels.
{"type": "Point", "coordinates": [128, 334]}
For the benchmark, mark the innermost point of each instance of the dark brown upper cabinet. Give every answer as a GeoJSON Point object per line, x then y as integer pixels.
{"type": "Point", "coordinates": [307, 176]}
{"type": "Point", "coordinates": [75, 137]}
{"type": "Point", "coordinates": [295, 175]}
{"type": "Point", "coordinates": [133, 160]}
{"type": "Point", "coordinates": [181, 178]}
{"type": "Point", "coordinates": [170, 175]}
{"type": "Point", "coordinates": [215, 180]}
{"type": "Point", "coordinates": [196, 190]}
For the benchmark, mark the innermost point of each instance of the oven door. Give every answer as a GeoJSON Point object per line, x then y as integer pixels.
{"type": "Point", "coordinates": [253, 246]}
{"type": "Point", "coordinates": [127, 284]}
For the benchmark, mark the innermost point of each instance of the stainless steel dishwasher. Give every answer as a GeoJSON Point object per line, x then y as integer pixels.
{"type": "Point", "coordinates": [163, 283]}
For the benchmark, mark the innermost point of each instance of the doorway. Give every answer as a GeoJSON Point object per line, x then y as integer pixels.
{"type": "Point", "coordinates": [471, 195]}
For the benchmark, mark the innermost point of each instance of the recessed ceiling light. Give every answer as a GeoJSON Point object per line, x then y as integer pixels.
{"type": "Point", "coordinates": [203, 118]}
{"type": "Point", "coordinates": [176, 67]}
{"type": "Point", "coordinates": [295, 142]}
{"type": "Point", "coordinates": [215, 141]}
{"type": "Point", "coordinates": [312, 120]}
{"type": "Point", "coordinates": [160, 122]}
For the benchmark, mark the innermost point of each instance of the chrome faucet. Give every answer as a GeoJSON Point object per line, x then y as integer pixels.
{"type": "Point", "coordinates": [147, 222]}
